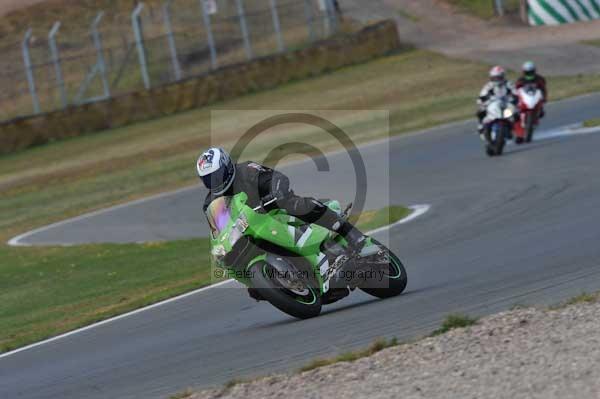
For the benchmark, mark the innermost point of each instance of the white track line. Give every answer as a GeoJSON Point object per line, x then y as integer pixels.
{"type": "Point", "coordinates": [112, 319]}
{"type": "Point", "coordinates": [565, 131]}
{"type": "Point", "coordinates": [573, 130]}
{"type": "Point", "coordinates": [418, 210]}
{"type": "Point", "coordinates": [16, 241]}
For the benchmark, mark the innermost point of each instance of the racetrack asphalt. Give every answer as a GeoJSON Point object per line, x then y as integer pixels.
{"type": "Point", "coordinates": [518, 229]}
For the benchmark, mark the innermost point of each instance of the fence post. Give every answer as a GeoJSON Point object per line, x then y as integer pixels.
{"type": "Point", "coordinates": [324, 9]}
{"type": "Point", "coordinates": [29, 71]}
{"type": "Point", "coordinates": [499, 5]}
{"type": "Point", "coordinates": [137, 31]}
{"type": "Point", "coordinates": [524, 11]}
{"type": "Point", "coordinates": [56, 61]}
{"type": "Point", "coordinates": [331, 17]}
{"type": "Point", "coordinates": [244, 28]}
{"type": "Point", "coordinates": [98, 44]}
{"type": "Point", "coordinates": [171, 39]}
{"type": "Point", "coordinates": [277, 26]}
{"type": "Point", "coordinates": [209, 35]}
{"type": "Point", "coordinates": [308, 10]}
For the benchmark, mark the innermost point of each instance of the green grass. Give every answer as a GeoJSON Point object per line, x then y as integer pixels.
{"type": "Point", "coordinates": [592, 123]}
{"type": "Point", "coordinates": [595, 42]}
{"type": "Point", "coordinates": [352, 356]}
{"type": "Point", "coordinates": [454, 321]}
{"type": "Point", "coordinates": [370, 220]}
{"type": "Point", "coordinates": [419, 88]}
{"type": "Point", "coordinates": [583, 298]}
{"type": "Point", "coordinates": [182, 395]}
{"type": "Point", "coordinates": [48, 291]}
{"type": "Point", "coordinates": [63, 179]}
{"type": "Point", "coordinates": [482, 8]}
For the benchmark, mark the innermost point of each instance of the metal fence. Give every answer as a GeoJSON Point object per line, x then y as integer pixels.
{"type": "Point", "coordinates": [155, 44]}
{"type": "Point", "coordinates": [509, 7]}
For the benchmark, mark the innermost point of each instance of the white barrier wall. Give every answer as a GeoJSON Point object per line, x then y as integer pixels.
{"type": "Point", "coordinates": [557, 12]}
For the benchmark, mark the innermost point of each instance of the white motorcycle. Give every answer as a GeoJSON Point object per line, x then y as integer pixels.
{"type": "Point", "coordinates": [498, 124]}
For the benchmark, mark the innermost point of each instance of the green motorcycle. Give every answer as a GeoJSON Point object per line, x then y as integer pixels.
{"type": "Point", "coordinates": [294, 266]}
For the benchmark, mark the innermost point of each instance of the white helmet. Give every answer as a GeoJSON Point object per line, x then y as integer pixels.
{"type": "Point", "coordinates": [529, 70]}
{"type": "Point", "coordinates": [216, 169]}
{"type": "Point", "coordinates": [497, 74]}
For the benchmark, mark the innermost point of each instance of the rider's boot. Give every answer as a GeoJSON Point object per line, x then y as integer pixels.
{"type": "Point", "coordinates": [480, 126]}
{"type": "Point", "coordinates": [355, 239]}
{"type": "Point", "coordinates": [481, 132]}
{"type": "Point", "coordinates": [332, 221]}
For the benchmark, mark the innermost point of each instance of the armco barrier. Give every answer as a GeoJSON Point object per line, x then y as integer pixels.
{"type": "Point", "coordinates": [556, 12]}
{"type": "Point", "coordinates": [226, 83]}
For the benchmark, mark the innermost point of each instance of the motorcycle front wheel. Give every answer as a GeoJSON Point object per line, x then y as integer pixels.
{"type": "Point", "coordinates": [505, 132]}
{"type": "Point", "coordinates": [495, 141]}
{"type": "Point", "coordinates": [389, 284]}
{"type": "Point", "coordinates": [529, 127]}
{"type": "Point", "coordinates": [296, 298]}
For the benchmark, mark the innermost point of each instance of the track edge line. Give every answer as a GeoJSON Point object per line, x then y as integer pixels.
{"type": "Point", "coordinates": [418, 210]}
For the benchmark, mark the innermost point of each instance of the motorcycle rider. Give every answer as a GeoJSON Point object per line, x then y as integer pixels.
{"type": "Point", "coordinates": [271, 189]}
{"type": "Point", "coordinates": [530, 76]}
{"type": "Point", "coordinates": [498, 86]}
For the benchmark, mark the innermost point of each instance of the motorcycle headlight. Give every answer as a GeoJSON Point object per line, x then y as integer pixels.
{"type": "Point", "coordinates": [508, 113]}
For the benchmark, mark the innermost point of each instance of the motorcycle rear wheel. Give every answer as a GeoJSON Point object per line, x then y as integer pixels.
{"type": "Point", "coordinates": [301, 303]}
{"type": "Point", "coordinates": [395, 280]}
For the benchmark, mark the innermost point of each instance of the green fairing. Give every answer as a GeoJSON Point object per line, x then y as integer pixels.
{"type": "Point", "coordinates": [276, 227]}
{"type": "Point", "coordinates": [281, 261]}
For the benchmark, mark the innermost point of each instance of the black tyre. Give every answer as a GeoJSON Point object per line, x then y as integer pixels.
{"type": "Point", "coordinates": [529, 127]}
{"type": "Point", "coordinates": [301, 302]}
{"type": "Point", "coordinates": [500, 139]}
{"type": "Point", "coordinates": [500, 149]}
{"type": "Point", "coordinates": [395, 281]}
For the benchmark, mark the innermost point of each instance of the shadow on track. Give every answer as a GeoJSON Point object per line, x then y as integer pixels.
{"type": "Point", "coordinates": [518, 149]}
{"type": "Point", "coordinates": [336, 310]}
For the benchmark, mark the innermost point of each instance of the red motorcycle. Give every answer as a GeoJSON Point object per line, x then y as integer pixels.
{"type": "Point", "coordinates": [531, 101]}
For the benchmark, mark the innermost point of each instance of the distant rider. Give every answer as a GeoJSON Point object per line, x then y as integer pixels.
{"type": "Point", "coordinates": [498, 86]}
{"type": "Point", "coordinates": [530, 76]}
{"type": "Point", "coordinates": [270, 188]}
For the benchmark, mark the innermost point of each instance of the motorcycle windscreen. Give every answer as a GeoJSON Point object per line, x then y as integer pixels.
{"type": "Point", "coordinates": [218, 214]}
